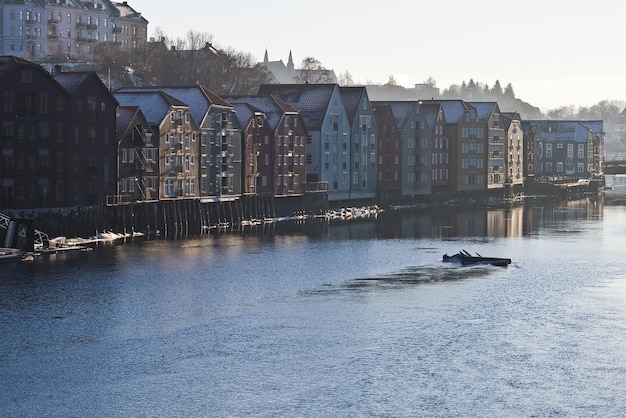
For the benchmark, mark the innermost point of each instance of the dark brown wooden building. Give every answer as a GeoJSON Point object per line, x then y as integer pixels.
{"type": "Point", "coordinates": [34, 118]}
{"type": "Point", "coordinates": [90, 145]}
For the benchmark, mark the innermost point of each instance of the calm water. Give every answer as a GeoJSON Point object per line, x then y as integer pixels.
{"type": "Point", "coordinates": [357, 320]}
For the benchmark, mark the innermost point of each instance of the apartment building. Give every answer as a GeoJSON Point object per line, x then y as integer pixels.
{"type": "Point", "coordinates": [56, 30]}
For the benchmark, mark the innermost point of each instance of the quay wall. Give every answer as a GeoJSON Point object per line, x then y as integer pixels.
{"type": "Point", "coordinates": [173, 218]}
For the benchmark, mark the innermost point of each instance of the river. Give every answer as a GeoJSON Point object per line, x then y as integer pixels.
{"type": "Point", "coordinates": [356, 319]}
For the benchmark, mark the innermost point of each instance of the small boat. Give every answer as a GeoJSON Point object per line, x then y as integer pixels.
{"type": "Point", "coordinates": [467, 259]}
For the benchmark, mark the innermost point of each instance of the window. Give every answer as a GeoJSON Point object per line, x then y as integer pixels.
{"type": "Point", "coordinates": [169, 188]}
{"type": "Point", "coordinates": [27, 76]}
{"type": "Point", "coordinates": [8, 101]}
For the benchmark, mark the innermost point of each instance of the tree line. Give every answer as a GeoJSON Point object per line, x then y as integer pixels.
{"type": "Point", "coordinates": [197, 59]}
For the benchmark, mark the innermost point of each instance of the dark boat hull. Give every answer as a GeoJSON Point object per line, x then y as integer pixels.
{"type": "Point", "coordinates": [467, 259]}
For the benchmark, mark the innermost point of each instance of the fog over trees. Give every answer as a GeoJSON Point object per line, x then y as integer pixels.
{"type": "Point", "coordinates": [197, 59]}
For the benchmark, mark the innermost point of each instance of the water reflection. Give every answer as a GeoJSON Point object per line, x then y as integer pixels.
{"type": "Point", "coordinates": [409, 277]}
{"type": "Point", "coordinates": [509, 222]}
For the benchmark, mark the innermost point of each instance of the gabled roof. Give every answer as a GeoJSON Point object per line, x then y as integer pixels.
{"type": "Point", "coordinates": [197, 97]}
{"type": "Point", "coordinates": [155, 105]}
{"type": "Point", "coordinates": [430, 112]}
{"type": "Point", "coordinates": [124, 115]}
{"type": "Point", "coordinates": [351, 97]}
{"type": "Point", "coordinates": [244, 112]}
{"type": "Point", "coordinates": [484, 110]}
{"type": "Point", "coordinates": [271, 106]}
{"type": "Point", "coordinates": [454, 109]}
{"type": "Point", "coordinates": [312, 100]}
{"type": "Point", "coordinates": [565, 130]}
{"type": "Point", "coordinates": [73, 80]}
{"type": "Point", "coordinates": [507, 118]}
{"type": "Point", "coordinates": [402, 111]}
{"type": "Point", "coordinates": [9, 63]}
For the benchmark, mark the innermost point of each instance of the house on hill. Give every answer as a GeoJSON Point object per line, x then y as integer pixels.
{"type": "Point", "coordinates": [288, 74]}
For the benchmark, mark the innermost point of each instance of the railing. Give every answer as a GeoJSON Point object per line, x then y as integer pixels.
{"type": "Point", "coordinates": [321, 186]}
{"type": "Point", "coordinates": [40, 237]}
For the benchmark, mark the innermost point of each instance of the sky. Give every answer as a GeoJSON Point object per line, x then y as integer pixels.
{"type": "Point", "coordinates": [553, 52]}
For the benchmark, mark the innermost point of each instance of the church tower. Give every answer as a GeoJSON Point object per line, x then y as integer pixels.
{"type": "Point", "coordinates": [290, 65]}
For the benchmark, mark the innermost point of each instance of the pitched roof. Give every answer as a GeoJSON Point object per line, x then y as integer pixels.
{"type": "Point", "coordinates": [430, 112]}
{"type": "Point", "coordinates": [507, 118]}
{"type": "Point", "coordinates": [484, 110]}
{"type": "Point", "coordinates": [351, 97]}
{"type": "Point", "coordinates": [312, 100]}
{"type": "Point", "coordinates": [402, 111]}
{"type": "Point", "coordinates": [155, 105]}
{"type": "Point", "coordinates": [565, 130]}
{"type": "Point", "coordinates": [9, 63]}
{"type": "Point", "coordinates": [124, 116]}
{"type": "Point", "coordinates": [454, 109]}
{"type": "Point", "coordinates": [271, 106]}
{"type": "Point", "coordinates": [197, 97]}
{"type": "Point", "coordinates": [71, 80]}
{"type": "Point", "coordinates": [244, 112]}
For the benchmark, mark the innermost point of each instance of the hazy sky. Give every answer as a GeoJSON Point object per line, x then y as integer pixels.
{"type": "Point", "coordinates": [553, 52]}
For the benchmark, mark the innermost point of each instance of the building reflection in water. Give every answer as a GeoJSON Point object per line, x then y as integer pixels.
{"type": "Point", "coordinates": [503, 222]}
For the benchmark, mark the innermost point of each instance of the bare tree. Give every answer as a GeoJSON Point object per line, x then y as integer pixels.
{"type": "Point", "coordinates": [392, 81]}
{"type": "Point", "coordinates": [431, 81]}
{"type": "Point", "coordinates": [345, 79]}
{"type": "Point", "coordinates": [242, 74]}
{"type": "Point", "coordinates": [113, 58]}
{"type": "Point", "coordinates": [312, 72]}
